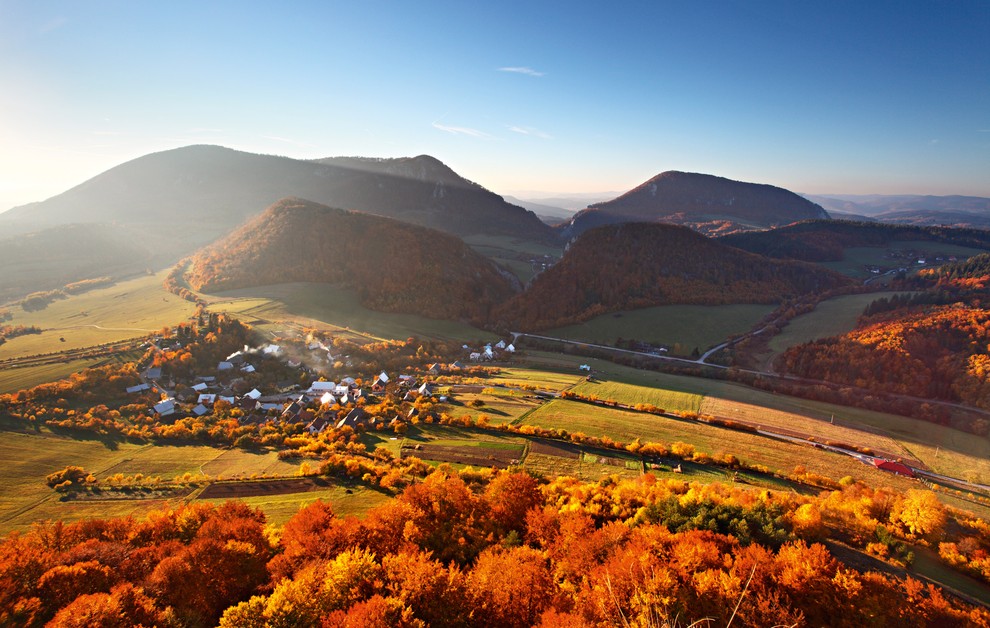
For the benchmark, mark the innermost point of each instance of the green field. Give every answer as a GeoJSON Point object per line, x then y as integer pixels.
{"type": "Point", "coordinates": [501, 406]}
{"type": "Point", "coordinates": [829, 318]}
{"type": "Point", "coordinates": [129, 309]}
{"type": "Point", "coordinates": [681, 327]}
{"type": "Point", "coordinates": [14, 379]}
{"type": "Point", "coordinates": [895, 255]}
{"type": "Point", "coordinates": [335, 308]}
{"type": "Point", "coordinates": [513, 253]}
{"type": "Point", "coordinates": [631, 394]}
{"type": "Point", "coordinates": [945, 450]}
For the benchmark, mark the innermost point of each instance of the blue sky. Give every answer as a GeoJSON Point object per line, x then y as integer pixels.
{"type": "Point", "coordinates": [841, 97]}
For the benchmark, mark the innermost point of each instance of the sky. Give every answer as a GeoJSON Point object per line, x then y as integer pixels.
{"type": "Point", "coordinates": [532, 98]}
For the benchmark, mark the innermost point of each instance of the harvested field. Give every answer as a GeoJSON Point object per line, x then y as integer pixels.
{"type": "Point", "coordinates": [475, 456]}
{"type": "Point", "coordinates": [237, 490]}
{"type": "Point", "coordinates": [555, 448]}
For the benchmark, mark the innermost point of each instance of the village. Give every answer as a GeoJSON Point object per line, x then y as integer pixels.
{"type": "Point", "coordinates": [245, 382]}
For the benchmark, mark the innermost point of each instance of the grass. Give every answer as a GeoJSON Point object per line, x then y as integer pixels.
{"type": "Point", "coordinates": [544, 379]}
{"type": "Point", "coordinates": [945, 450]}
{"type": "Point", "coordinates": [130, 309]}
{"type": "Point", "coordinates": [830, 318]}
{"type": "Point", "coordinates": [500, 408]}
{"type": "Point", "coordinates": [681, 327]}
{"type": "Point", "coordinates": [29, 458]}
{"type": "Point", "coordinates": [13, 379]}
{"type": "Point", "coordinates": [328, 306]}
{"type": "Point", "coordinates": [895, 255]}
{"type": "Point", "coordinates": [670, 400]}
{"type": "Point", "coordinates": [778, 456]}
{"type": "Point", "coordinates": [280, 508]}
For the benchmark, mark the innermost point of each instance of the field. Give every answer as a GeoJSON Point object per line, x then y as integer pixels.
{"type": "Point", "coordinates": [896, 255]}
{"type": "Point", "coordinates": [332, 307]}
{"type": "Point", "coordinates": [942, 449]}
{"type": "Point", "coordinates": [513, 253]}
{"type": "Point", "coordinates": [681, 327]}
{"type": "Point", "coordinates": [28, 458]}
{"type": "Point", "coordinates": [129, 309]}
{"type": "Point", "coordinates": [631, 394]}
{"type": "Point", "coordinates": [830, 318]}
{"type": "Point", "coordinates": [500, 405]}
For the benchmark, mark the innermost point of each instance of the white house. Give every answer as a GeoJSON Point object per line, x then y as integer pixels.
{"type": "Point", "coordinates": [254, 394]}
{"type": "Point", "coordinates": [225, 366]}
{"type": "Point", "coordinates": [206, 398]}
{"type": "Point", "coordinates": [511, 348]}
{"type": "Point", "coordinates": [475, 356]}
{"type": "Point", "coordinates": [200, 387]}
{"type": "Point", "coordinates": [165, 408]}
{"type": "Point", "coordinates": [500, 344]}
{"type": "Point", "coordinates": [383, 377]}
{"type": "Point", "coordinates": [321, 387]}
{"type": "Point", "coordinates": [328, 398]}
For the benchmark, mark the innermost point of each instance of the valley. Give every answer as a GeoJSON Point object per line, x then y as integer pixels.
{"type": "Point", "coordinates": [634, 355]}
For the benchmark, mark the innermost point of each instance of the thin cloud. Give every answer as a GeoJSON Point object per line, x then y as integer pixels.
{"type": "Point", "coordinates": [461, 130]}
{"type": "Point", "coordinates": [528, 130]}
{"type": "Point", "coordinates": [285, 140]}
{"type": "Point", "coordinates": [522, 70]}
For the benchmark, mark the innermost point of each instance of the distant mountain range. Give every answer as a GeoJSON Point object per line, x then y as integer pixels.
{"type": "Point", "coordinates": [950, 211]}
{"type": "Point", "coordinates": [392, 265]}
{"type": "Point", "coordinates": [211, 189]}
{"type": "Point", "coordinates": [627, 266]}
{"type": "Point", "coordinates": [706, 203]}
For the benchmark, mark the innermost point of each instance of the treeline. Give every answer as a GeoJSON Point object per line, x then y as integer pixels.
{"type": "Point", "coordinates": [393, 266]}
{"type": "Point", "coordinates": [826, 240]}
{"type": "Point", "coordinates": [13, 331]}
{"type": "Point", "coordinates": [630, 266]}
{"type": "Point", "coordinates": [40, 300]}
{"type": "Point", "coordinates": [470, 549]}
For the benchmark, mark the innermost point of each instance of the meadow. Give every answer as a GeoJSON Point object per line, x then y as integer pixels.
{"type": "Point", "coordinates": [680, 327]}
{"type": "Point", "coordinates": [335, 308]}
{"type": "Point", "coordinates": [898, 254]}
{"type": "Point", "coordinates": [829, 318]}
{"type": "Point", "coordinates": [943, 449]}
{"type": "Point", "coordinates": [129, 309]}
{"type": "Point", "coordinates": [25, 498]}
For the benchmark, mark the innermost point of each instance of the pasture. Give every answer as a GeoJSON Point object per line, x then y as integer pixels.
{"type": "Point", "coordinates": [830, 318]}
{"type": "Point", "coordinates": [25, 497]}
{"type": "Point", "coordinates": [899, 254]}
{"type": "Point", "coordinates": [941, 448]}
{"type": "Point", "coordinates": [332, 307]}
{"type": "Point", "coordinates": [680, 327]}
{"type": "Point", "coordinates": [129, 309]}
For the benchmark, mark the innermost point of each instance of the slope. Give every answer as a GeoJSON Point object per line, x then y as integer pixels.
{"type": "Point", "coordinates": [825, 241]}
{"type": "Point", "coordinates": [704, 202]}
{"type": "Point", "coordinates": [621, 267]}
{"type": "Point", "coordinates": [214, 188]}
{"type": "Point", "coordinates": [393, 266]}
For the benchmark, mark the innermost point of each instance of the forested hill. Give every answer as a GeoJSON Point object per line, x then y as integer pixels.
{"type": "Point", "coordinates": [825, 240]}
{"type": "Point", "coordinates": [704, 202]}
{"type": "Point", "coordinates": [394, 266]}
{"type": "Point", "coordinates": [635, 265]}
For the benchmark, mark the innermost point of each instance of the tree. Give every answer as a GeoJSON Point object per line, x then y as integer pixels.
{"type": "Point", "coordinates": [920, 512]}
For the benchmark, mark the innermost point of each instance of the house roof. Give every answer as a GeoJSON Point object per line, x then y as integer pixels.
{"type": "Point", "coordinates": [893, 467]}
{"type": "Point", "coordinates": [322, 386]}
{"type": "Point", "coordinates": [200, 410]}
{"type": "Point", "coordinates": [206, 398]}
{"type": "Point", "coordinates": [138, 388]}
{"type": "Point", "coordinates": [254, 394]}
{"type": "Point", "coordinates": [154, 373]}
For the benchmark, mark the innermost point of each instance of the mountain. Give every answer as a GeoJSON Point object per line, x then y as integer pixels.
{"type": "Point", "coordinates": [393, 266]}
{"type": "Point", "coordinates": [827, 240]}
{"type": "Point", "coordinates": [547, 213]}
{"type": "Point", "coordinates": [620, 267]}
{"type": "Point", "coordinates": [706, 203]}
{"type": "Point", "coordinates": [208, 190]}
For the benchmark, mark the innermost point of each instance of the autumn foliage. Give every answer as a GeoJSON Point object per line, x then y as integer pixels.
{"type": "Point", "coordinates": [452, 551]}
{"type": "Point", "coordinates": [394, 266]}
{"type": "Point", "coordinates": [640, 265]}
